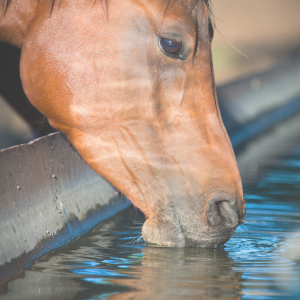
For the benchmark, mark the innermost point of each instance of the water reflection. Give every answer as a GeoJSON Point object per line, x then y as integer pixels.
{"type": "Point", "coordinates": [168, 273]}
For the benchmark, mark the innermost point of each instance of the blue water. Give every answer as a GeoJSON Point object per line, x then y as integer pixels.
{"type": "Point", "coordinates": [260, 261]}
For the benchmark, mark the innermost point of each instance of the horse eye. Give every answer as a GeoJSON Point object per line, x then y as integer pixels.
{"type": "Point", "coordinates": [171, 46]}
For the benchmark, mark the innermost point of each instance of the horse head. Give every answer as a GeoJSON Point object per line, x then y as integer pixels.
{"type": "Point", "coordinates": [131, 84]}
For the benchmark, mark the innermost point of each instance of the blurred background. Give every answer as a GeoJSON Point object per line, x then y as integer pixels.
{"type": "Point", "coordinates": [250, 36]}
{"type": "Point", "coordinates": [265, 31]}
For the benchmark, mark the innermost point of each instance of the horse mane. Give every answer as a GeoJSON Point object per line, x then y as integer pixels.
{"type": "Point", "coordinates": [4, 4]}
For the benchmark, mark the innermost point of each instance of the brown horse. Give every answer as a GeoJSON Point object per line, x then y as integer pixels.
{"type": "Point", "coordinates": [131, 84]}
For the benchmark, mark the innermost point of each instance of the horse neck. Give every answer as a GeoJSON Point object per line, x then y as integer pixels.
{"type": "Point", "coordinates": [15, 21]}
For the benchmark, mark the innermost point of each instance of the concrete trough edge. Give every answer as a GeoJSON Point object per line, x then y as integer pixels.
{"type": "Point", "coordinates": [49, 196]}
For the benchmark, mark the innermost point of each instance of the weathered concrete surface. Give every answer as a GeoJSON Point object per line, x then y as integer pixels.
{"type": "Point", "coordinates": [48, 196]}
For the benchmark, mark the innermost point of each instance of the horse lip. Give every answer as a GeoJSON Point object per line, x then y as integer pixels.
{"type": "Point", "coordinates": [152, 235]}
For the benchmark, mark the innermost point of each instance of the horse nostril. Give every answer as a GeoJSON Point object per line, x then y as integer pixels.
{"type": "Point", "coordinates": [222, 211]}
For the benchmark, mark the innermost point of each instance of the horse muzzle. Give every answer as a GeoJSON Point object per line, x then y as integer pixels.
{"type": "Point", "coordinates": [209, 227]}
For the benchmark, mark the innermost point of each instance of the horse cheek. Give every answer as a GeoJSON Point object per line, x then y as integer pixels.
{"type": "Point", "coordinates": [45, 86]}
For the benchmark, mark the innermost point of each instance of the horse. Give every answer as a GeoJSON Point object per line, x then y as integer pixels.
{"type": "Point", "coordinates": [131, 85]}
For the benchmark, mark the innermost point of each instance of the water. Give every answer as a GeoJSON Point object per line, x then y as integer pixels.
{"type": "Point", "coordinates": [261, 260]}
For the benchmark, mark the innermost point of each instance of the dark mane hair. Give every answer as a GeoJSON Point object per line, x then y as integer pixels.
{"type": "Point", "coordinates": [4, 4]}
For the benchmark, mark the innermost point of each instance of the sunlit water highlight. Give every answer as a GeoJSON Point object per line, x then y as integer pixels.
{"type": "Point", "coordinates": [261, 260]}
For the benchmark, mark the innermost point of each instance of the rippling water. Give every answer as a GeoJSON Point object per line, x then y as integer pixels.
{"type": "Point", "coordinates": [261, 260]}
